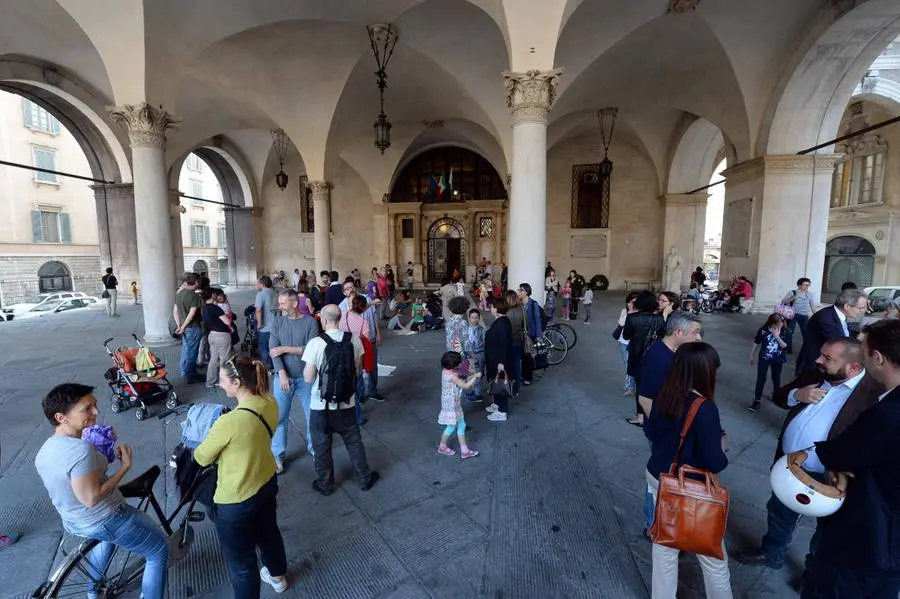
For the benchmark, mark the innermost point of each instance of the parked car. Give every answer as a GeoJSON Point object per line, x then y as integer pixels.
{"type": "Point", "coordinates": [881, 297]}
{"type": "Point", "coordinates": [57, 306]}
{"type": "Point", "coordinates": [15, 310]}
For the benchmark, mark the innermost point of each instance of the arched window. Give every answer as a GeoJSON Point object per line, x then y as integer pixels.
{"type": "Point", "coordinates": [848, 258]}
{"type": "Point", "coordinates": [448, 174]}
{"type": "Point", "coordinates": [201, 268]}
{"type": "Point", "coordinates": [54, 276]}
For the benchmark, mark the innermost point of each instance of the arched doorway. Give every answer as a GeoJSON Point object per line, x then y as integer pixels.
{"type": "Point", "coordinates": [848, 258]}
{"type": "Point", "coordinates": [54, 276]}
{"type": "Point", "coordinates": [201, 268]}
{"type": "Point", "coordinates": [446, 249]}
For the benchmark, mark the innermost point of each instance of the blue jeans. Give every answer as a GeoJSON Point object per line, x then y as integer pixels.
{"type": "Point", "coordinates": [800, 320]}
{"type": "Point", "coordinates": [134, 531]}
{"type": "Point", "coordinates": [781, 523]}
{"type": "Point", "coordinates": [363, 389]}
{"type": "Point", "coordinates": [263, 342]}
{"type": "Point", "coordinates": [301, 391]}
{"type": "Point", "coordinates": [762, 369]}
{"type": "Point", "coordinates": [245, 527]}
{"type": "Point", "coordinates": [190, 346]}
{"type": "Point", "coordinates": [629, 380]}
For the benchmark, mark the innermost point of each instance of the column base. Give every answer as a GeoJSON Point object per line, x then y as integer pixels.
{"type": "Point", "coordinates": [157, 340]}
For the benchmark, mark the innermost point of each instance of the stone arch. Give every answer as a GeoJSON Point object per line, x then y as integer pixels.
{"type": "Point", "coordinates": [54, 276]}
{"type": "Point", "coordinates": [201, 268]}
{"type": "Point", "coordinates": [848, 258]}
{"type": "Point", "coordinates": [879, 90]}
{"type": "Point", "coordinates": [81, 112]}
{"type": "Point", "coordinates": [811, 98]}
{"type": "Point", "coordinates": [698, 152]}
{"type": "Point", "coordinates": [423, 151]}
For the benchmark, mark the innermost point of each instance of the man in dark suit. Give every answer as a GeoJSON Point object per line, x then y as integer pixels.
{"type": "Point", "coordinates": [334, 293]}
{"type": "Point", "coordinates": [859, 549]}
{"type": "Point", "coordinates": [823, 401]}
{"type": "Point", "coordinates": [830, 323]}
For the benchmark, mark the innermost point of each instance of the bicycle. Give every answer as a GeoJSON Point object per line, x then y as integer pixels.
{"type": "Point", "coordinates": [565, 329]}
{"type": "Point", "coordinates": [75, 574]}
{"type": "Point", "coordinates": [554, 342]}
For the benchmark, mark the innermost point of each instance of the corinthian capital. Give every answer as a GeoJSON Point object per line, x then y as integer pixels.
{"type": "Point", "coordinates": [320, 189]}
{"type": "Point", "coordinates": [531, 95]}
{"type": "Point", "coordinates": [146, 125]}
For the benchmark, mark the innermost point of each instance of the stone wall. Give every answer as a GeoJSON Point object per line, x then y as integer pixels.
{"type": "Point", "coordinates": [634, 234]}
{"type": "Point", "coordinates": [19, 275]}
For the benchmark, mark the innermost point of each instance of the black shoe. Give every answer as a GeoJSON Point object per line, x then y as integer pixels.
{"type": "Point", "coordinates": [756, 558]}
{"type": "Point", "coordinates": [373, 478]}
{"type": "Point", "coordinates": [319, 488]}
{"type": "Point", "coordinates": [377, 397]}
{"type": "Point", "coordinates": [754, 407]}
{"type": "Point", "coordinates": [364, 421]}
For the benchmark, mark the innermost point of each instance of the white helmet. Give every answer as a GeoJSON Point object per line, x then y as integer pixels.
{"type": "Point", "coordinates": [800, 492]}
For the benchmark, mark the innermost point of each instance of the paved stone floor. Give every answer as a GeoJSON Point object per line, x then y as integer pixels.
{"type": "Point", "coordinates": [550, 509]}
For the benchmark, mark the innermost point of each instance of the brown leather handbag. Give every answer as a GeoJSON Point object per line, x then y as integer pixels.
{"type": "Point", "coordinates": [691, 511]}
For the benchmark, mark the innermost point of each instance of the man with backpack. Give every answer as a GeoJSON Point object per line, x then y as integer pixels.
{"type": "Point", "coordinates": [333, 360]}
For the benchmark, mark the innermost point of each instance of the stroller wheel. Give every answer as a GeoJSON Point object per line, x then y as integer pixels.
{"type": "Point", "coordinates": [172, 401]}
{"type": "Point", "coordinates": [140, 413]}
{"type": "Point", "coordinates": [116, 406]}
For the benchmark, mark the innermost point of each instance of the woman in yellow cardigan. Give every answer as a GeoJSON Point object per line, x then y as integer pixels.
{"type": "Point", "coordinates": [245, 507]}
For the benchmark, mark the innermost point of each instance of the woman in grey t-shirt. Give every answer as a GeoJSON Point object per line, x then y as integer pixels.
{"type": "Point", "coordinates": [88, 501]}
{"type": "Point", "coordinates": [804, 304]}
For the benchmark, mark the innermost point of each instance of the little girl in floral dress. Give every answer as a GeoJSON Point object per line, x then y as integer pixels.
{"type": "Point", "coordinates": [566, 297]}
{"type": "Point", "coordinates": [451, 415]}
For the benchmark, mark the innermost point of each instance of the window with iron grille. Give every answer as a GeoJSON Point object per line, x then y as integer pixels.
{"type": "Point", "coordinates": [590, 197]}
{"type": "Point", "coordinates": [199, 235]}
{"type": "Point", "coordinates": [307, 216]}
{"type": "Point", "coordinates": [44, 158]}
{"type": "Point", "coordinates": [486, 226]}
{"type": "Point", "coordinates": [38, 119]}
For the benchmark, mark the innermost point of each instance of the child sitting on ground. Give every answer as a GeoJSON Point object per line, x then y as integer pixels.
{"type": "Point", "coordinates": [451, 415]}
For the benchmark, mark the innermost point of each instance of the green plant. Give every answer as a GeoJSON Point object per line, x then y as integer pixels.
{"type": "Point", "coordinates": [599, 282]}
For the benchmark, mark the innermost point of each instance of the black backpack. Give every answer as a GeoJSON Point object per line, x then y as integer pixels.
{"type": "Point", "coordinates": [337, 377]}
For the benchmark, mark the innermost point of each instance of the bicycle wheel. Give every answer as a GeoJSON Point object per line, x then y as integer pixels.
{"type": "Point", "coordinates": [75, 575]}
{"type": "Point", "coordinates": [558, 346]}
{"type": "Point", "coordinates": [568, 331]}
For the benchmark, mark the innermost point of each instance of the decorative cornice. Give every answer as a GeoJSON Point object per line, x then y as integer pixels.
{"type": "Point", "coordinates": [113, 190]}
{"type": "Point", "coordinates": [146, 125]}
{"type": "Point", "coordinates": [321, 190]}
{"type": "Point", "coordinates": [531, 95]}
{"type": "Point", "coordinates": [820, 163]}
{"type": "Point", "coordinates": [862, 146]}
{"type": "Point", "coordinates": [682, 6]}
{"type": "Point", "coordinates": [685, 199]}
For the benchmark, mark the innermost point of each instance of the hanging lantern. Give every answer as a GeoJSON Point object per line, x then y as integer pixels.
{"type": "Point", "coordinates": [382, 38]}
{"type": "Point", "coordinates": [280, 145]}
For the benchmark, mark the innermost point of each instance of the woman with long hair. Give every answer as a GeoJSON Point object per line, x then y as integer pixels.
{"type": "Point", "coordinates": [629, 308]}
{"type": "Point", "coordinates": [304, 304]}
{"type": "Point", "coordinates": [245, 506]}
{"type": "Point", "coordinates": [516, 315]}
{"type": "Point", "coordinates": [642, 328]}
{"type": "Point", "coordinates": [498, 352]}
{"type": "Point", "coordinates": [691, 378]}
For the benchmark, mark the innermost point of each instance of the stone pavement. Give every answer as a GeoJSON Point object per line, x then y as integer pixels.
{"type": "Point", "coordinates": [550, 509]}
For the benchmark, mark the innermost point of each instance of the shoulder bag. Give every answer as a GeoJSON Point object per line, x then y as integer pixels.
{"type": "Point", "coordinates": [261, 419]}
{"type": "Point", "coordinates": [691, 512]}
{"type": "Point", "coordinates": [527, 343]}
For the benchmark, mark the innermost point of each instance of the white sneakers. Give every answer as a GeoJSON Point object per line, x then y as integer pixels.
{"type": "Point", "coordinates": [497, 417]}
{"type": "Point", "coordinates": [491, 408]}
{"type": "Point", "coordinates": [280, 586]}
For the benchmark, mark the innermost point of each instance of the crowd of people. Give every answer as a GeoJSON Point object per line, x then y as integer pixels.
{"type": "Point", "coordinates": [318, 344]}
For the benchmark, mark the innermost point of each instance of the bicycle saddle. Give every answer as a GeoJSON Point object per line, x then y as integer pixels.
{"type": "Point", "coordinates": [142, 485]}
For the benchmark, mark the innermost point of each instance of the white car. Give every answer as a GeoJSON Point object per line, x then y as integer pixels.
{"type": "Point", "coordinates": [15, 310]}
{"type": "Point", "coordinates": [57, 306]}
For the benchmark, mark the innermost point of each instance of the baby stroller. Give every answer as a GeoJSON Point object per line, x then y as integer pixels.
{"type": "Point", "coordinates": [137, 380]}
{"type": "Point", "coordinates": [250, 344]}
{"type": "Point", "coordinates": [194, 429]}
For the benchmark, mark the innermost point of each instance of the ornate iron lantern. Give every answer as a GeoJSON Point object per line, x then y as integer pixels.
{"type": "Point", "coordinates": [382, 38]}
{"type": "Point", "coordinates": [280, 145]}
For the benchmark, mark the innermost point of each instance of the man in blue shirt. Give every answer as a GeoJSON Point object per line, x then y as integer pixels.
{"type": "Point", "coordinates": [681, 328]}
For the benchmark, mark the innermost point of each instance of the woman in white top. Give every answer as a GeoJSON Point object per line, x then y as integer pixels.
{"type": "Point", "coordinates": [551, 287]}
{"type": "Point", "coordinates": [623, 343]}
{"type": "Point", "coordinates": [804, 304]}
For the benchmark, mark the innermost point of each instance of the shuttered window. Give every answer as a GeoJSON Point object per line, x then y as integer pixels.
{"type": "Point", "coordinates": [199, 235]}
{"type": "Point", "coordinates": [195, 189]}
{"type": "Point", "coordinates": [223, 239]}
{"type": "Point", "coordinates": [44, 158]}
{"type": "Point", "coordinates": [51, 227]}
{"type": "Point", "coordinates": [37, 119]}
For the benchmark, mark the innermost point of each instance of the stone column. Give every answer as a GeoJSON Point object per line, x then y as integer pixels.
{"type": "Point", "coordinates": [685, 228]}
{"type": "Point", "coordinates": [776, 223]}
{"type": "Point", "coordinates": [321, 197]}
{"type": "Point", "coordinates": [146, 126]}
{"type": "Point", "coordinates": [243, 256]}
{"type": "Point", "coordinates": [116, 226]}
{"type": "Point", "coordinates": [175, 212]}
{"type": "Point", "coordinates": [530, 96]}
